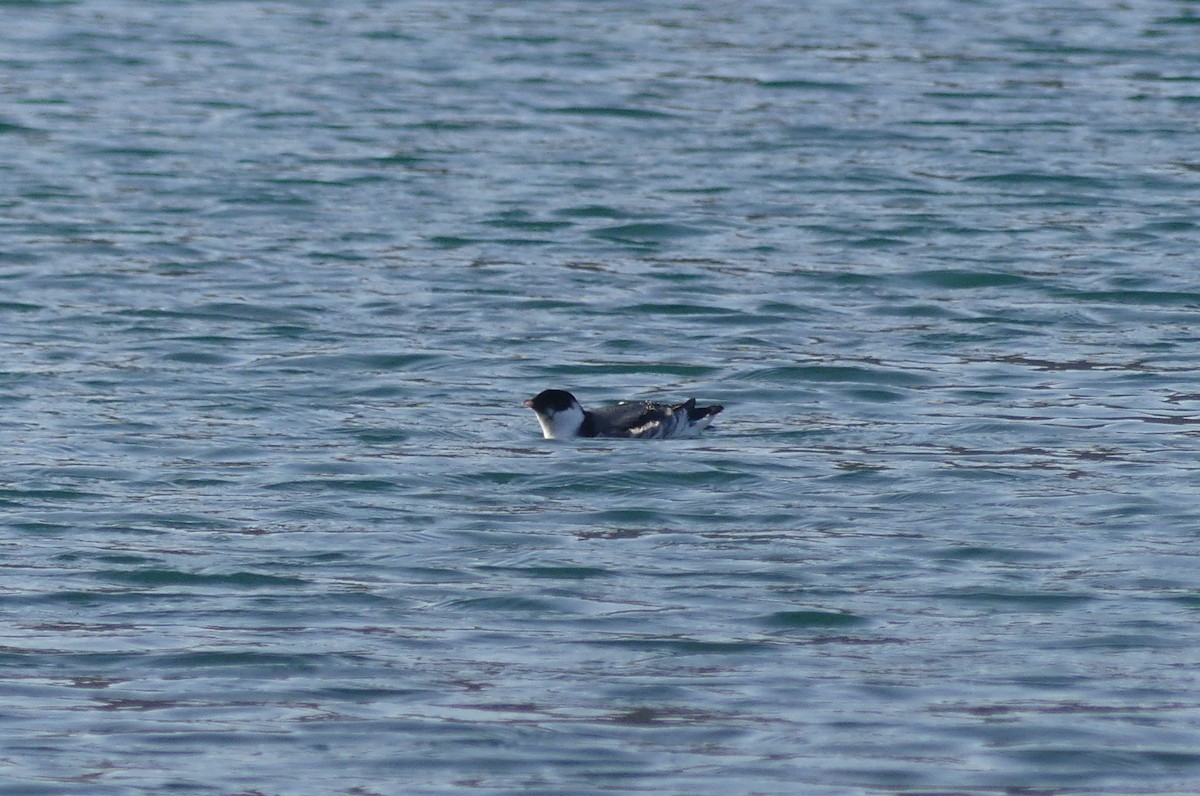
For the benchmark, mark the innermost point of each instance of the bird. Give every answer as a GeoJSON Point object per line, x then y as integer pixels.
{"type": "Point", "coordinates": [561, 416]}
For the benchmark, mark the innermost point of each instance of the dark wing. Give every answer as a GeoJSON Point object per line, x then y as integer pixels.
{"type": "Point", "coordinates": [633, 419]}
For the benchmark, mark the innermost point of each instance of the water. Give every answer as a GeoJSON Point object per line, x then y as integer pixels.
{"type": "Point", "coordinates": [277, 276]}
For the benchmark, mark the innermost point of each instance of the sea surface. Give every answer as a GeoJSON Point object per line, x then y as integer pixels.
{"type": "Point", "coordinates": [275, 278]}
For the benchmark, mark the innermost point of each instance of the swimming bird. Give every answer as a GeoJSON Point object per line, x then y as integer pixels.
{"type": "Point", "coordinates": [561, 417]}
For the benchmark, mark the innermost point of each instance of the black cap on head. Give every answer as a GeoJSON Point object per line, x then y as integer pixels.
{"type": "Point", "coordinates": [550, 401]}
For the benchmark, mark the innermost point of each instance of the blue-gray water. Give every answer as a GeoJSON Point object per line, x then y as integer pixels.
{"type": "Point", "coordinates": [276, 278]}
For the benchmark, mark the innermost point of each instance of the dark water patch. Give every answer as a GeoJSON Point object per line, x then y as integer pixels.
{"type": "Point", "coordinates": [109, 596]}
{"type": "Point", "coordinates": [518, 242]}
{"type": "Point", "coordinates": [405, 159]}
{"type": "Point", "coordinates": [20, 496]}
{"type": "Point", "coordinates": [988, 553]}
{"type": "Point", "coordinates": [123, 558]}
{"type": "Point", "coordinates": [875, 395]}
{"type": "Point", "coordinates": [547, 304]}
{"type": "Point", "coordinates": [37, 526]}
{"type": "Point", "coordinates": [677, 309]}
{"type": "Point", "coordinates": [802, 85]}
{"type": "Point", "coordinates": [154, 577]}
{"type": "Point", "coordinates": [458, 125]}
{"type": "Point", "coordinates": [384, 437]}
{"type": "Point", "coordinates": [553, 572]}
{"type": "Point", "coordinates": [683, 646]}
{"type": "Point", "coordinates": [134, 153]}
{"type": "Point", "coordinates": [618, 112]}
{"type": "Point", "coordinates": [1158, 639]}
{"type": "Point", "coordinates": [954, 279]}
{"type": "Point", "coordinates": [1163, 298]}
{"type": "Point", "coordinates": [1065, 760]}
{"type": "Point", "coordinates": [501, 477]}
{"type": "Point", "coordinates": [453, 241]}
{"type": "Point", "coordinates": [19, 307]}
{"type": "Point", "coordinates": [1186, 19]}
{"type": "Point", "coordinates": [257, 313]}
{"type": "Point", "coordinates": [15, 128]}
{"type": "Point", "coordinates": [136, 522]}
{"type": "Point", "coordinates": [880, 242]}
{"type": "Point", "coordinates": [812, 620]}
{"type": "Point", "coordinates": [519, 222]}
{"type": "Point", "coordinates": [592, 211]}
{"type": "Point", "coordinates": [783, 309]}
{"type": "Point", "coordinates": [647, 233]}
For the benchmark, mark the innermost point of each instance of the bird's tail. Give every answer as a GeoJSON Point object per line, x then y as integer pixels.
{"type": "Point", "coordinates": [695, 413]}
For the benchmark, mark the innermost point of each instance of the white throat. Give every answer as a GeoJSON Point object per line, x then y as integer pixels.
{"type": "Point", "coordinates": [561, 425]}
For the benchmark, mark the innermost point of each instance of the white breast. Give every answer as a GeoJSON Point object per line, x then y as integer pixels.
{"type": "Point", "coordinates": [563, 424]}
